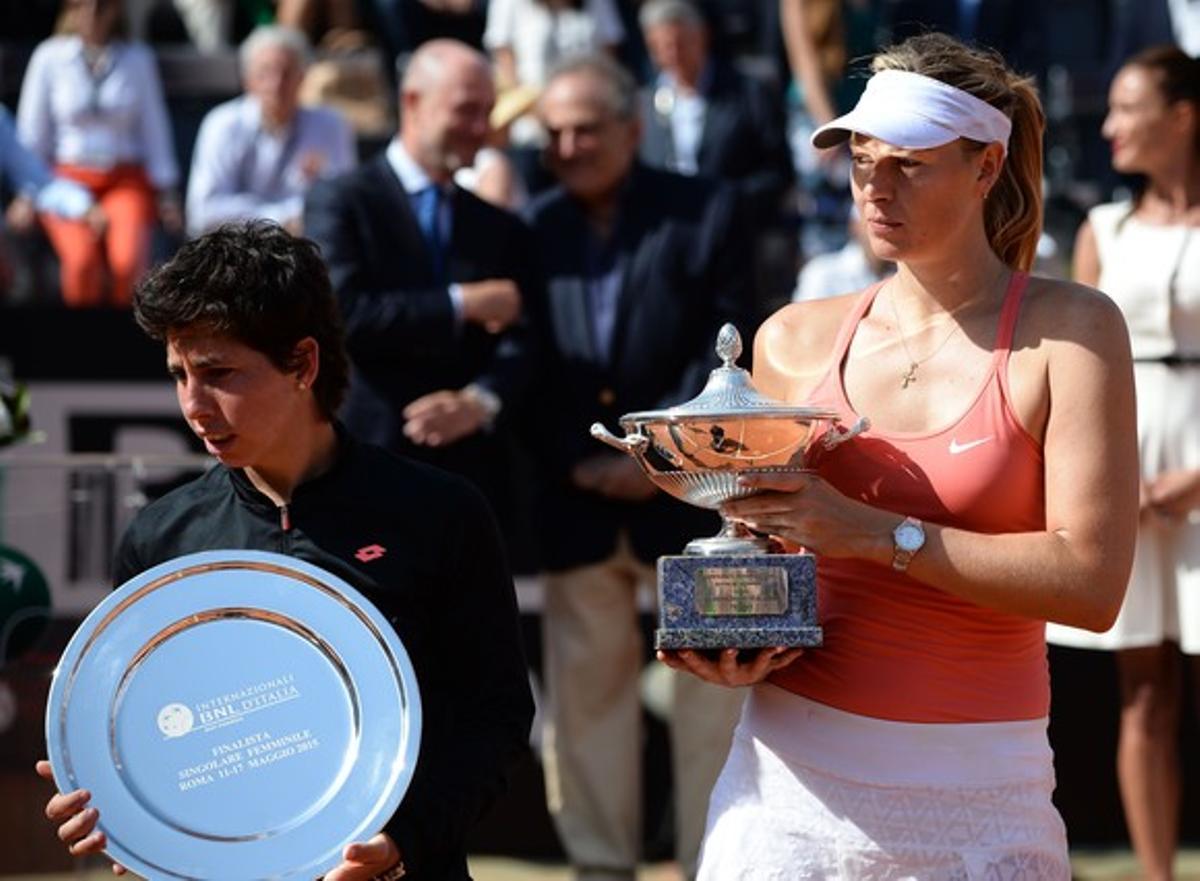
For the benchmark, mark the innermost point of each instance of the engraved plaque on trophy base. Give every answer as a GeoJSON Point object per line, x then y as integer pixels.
{"type": "Point", "coordinates": [751, 601]}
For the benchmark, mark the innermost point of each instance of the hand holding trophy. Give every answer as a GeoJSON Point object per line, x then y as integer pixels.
{"type": "Point", "coordinates": [730, 590]}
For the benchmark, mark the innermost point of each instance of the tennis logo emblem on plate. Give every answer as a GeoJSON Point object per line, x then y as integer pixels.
{"type": "Point", "coordinates": [175, 720]}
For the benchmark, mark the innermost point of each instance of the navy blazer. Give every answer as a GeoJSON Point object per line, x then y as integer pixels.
{"type": "Point", "coordinates": [744, 139]}
{"type": "Point", "coordinates": [401, 332]}
{"type": "Point", "coordinates": [685, 265]}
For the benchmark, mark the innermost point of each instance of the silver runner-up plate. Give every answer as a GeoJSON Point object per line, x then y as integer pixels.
{"type": "Point", "coordinates": [237, 715]}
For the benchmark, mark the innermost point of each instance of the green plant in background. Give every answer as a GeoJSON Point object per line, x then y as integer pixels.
{"type": "Point", "coordinates": [25, 604]}
{"type": "Point", "coordinates": [14, 412]}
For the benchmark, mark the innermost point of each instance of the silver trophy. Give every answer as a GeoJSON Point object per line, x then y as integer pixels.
{"type": "Point", "coordinates": [730, 590]}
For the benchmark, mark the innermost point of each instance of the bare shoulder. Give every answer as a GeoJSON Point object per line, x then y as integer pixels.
{"type": "Point", "coordinates": [1065, 315]}
{"type": "Point", "coordinates": [1071, 344]}
{"type": "Point", "coordinates": [793, 346]}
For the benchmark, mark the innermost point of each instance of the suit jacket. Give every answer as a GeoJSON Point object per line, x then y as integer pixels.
{"type": "Point", "coordinates": [401, 330]}
{"type": "Point", "coordinates": [744, 139]}
{"type": "Point", "coordinates": [684, 265]}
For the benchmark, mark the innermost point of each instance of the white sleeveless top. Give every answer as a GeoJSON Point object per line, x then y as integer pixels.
{"type": "Point", "coordinates": [1153, 274]}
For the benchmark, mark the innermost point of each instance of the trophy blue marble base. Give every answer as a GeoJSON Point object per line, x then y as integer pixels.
{"type": "Point", "coordinates": [752, 601]}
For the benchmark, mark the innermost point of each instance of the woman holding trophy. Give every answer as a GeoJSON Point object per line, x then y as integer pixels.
{"type": "Point", "coordinates": [996, 490]}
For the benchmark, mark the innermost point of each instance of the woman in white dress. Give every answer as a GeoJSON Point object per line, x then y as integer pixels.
{"type": "Point", "coordinates": [92, 108]}
{"type": "Point", "coordinates": [1145, 254]}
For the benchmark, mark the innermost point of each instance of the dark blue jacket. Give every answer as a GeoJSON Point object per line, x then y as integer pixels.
{"type": "Point", "coordinates": [685, 263]}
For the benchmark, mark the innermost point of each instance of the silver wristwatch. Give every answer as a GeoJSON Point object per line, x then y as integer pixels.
{"type": "Point", "coordinates": [907, 539]}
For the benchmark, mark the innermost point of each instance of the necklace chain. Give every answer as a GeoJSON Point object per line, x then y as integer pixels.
{"type": "Point", "coordinates": [910, 375]}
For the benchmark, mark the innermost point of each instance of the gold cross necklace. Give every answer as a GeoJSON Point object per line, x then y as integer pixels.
{"type": "Point", "coordinates": [910, 375]}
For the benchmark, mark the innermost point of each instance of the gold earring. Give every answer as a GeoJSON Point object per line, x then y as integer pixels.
{"type": "Point", "coordinates": [302, 386]}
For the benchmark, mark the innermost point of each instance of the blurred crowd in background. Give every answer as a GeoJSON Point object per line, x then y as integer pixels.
{"type": "Point", "coordinates": [643, 174]}
{"type": "Point", "coordinates": [804, 59]}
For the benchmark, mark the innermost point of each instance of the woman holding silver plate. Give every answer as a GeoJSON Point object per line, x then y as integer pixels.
{"type": "Point", "coordinates": [996, 490]}
{"type": "Point", "coordinates": [254, 346]}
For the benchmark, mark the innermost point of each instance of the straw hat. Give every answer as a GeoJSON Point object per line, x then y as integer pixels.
{"type": "Point", "coordinates": [511, 104]}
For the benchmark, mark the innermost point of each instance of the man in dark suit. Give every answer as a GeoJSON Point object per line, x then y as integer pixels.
{"type": "Point", "coordinates": [703, 116]}
{"type": "Point", "coordinates": [430, 279]}
{"type": "Point", "coordinates": [642, 267]}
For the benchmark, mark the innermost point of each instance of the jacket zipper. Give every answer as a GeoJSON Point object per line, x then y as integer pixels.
{"type": "Point", "coordinates": [285, 518]}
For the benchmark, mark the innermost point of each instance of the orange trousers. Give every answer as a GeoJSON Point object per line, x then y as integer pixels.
{"type": "Point", "coordinates": [115, 260]}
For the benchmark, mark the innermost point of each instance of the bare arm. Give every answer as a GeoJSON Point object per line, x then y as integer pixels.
{"type": "Point", "coordinates": [1073, 572]}
{"type": "Point", "coordinates": [1076, 571]}
{"type": "Point", "coordinates": [803, 60]}
{"type": "Point", "coordinates": [1086, 264]}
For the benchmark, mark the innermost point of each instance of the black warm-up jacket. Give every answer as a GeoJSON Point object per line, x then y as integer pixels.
{"type": "Point", "coordinates": [443, 583]}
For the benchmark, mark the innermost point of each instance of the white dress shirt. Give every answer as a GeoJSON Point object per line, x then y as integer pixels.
{"type": "Point", "coordinates": [241, 171]}
{"type": "Point", "coordinates": [685, 111]}
{"type": "Point", "coordinates": [70, 114]}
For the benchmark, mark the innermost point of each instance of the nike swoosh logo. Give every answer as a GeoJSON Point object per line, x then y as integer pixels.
{"type": "Point", "coordinates": [956, 447]}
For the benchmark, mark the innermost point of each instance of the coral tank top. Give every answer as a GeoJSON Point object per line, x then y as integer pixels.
{"type": "Point", "coordinates": [896, 648]}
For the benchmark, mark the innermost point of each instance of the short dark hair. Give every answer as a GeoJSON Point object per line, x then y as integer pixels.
{"type": "Point", "coordinates": [258, 284]}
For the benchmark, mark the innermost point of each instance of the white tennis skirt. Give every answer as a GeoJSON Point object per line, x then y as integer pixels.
{"type": "Point", "coordinates": [809, 792]}
{"type": "Point", "coordinates": [1162, 603]}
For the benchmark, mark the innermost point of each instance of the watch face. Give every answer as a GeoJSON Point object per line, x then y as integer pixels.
{"type": "Point", "coordinates": [909, 537]}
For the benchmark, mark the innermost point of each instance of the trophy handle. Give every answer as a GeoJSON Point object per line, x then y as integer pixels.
{"type": "Point", "coordinates": [838, 435]}
{"type": "Point", "coordinates": [633, 444]}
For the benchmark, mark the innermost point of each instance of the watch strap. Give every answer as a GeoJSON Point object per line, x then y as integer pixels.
{"type": "Point", "coordinates": [901, 557]}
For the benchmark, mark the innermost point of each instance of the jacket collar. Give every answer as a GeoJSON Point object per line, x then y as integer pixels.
{"type": "Point", "coordinates": [253, 497]}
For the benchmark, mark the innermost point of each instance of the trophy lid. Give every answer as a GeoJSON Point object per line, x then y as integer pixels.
{"type": "Point", "coordinates": [729, 394]}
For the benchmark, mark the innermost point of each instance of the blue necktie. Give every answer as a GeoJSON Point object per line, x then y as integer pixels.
{"type": "Point", "coordinates": [429, 209]}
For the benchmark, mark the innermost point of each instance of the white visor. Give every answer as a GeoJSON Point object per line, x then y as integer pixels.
{"type": "Point", "coordinates": [916, 112]}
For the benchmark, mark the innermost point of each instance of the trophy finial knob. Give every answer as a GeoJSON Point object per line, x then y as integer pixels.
{"type": "Point", "coordinates": [729, 345]}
